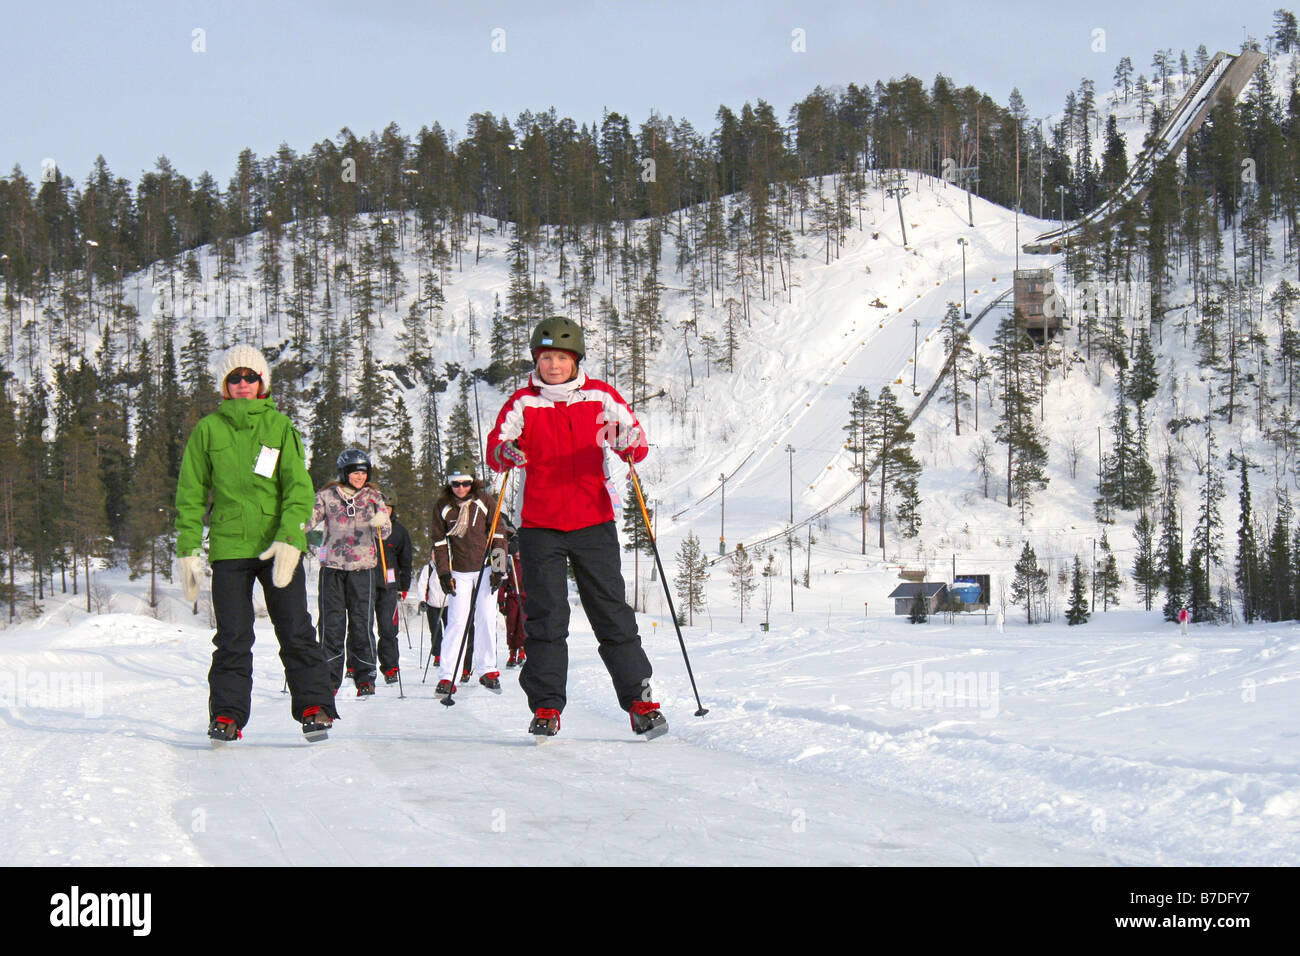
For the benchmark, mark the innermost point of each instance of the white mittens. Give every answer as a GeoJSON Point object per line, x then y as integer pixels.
{"type": "Point", "coordinates": [286, 558]}
{"type": "Point", "coordinates": [189, 570]}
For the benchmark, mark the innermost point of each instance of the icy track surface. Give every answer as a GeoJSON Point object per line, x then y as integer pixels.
{"type": "Point", "coordinates": [830, 741]}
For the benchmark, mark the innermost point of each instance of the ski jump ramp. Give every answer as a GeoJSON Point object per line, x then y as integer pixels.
{"type": "Point", "coordinates": [1221, 81]}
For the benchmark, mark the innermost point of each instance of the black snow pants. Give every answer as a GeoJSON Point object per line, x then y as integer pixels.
{"type": "Point", "coordinates": [230, 680]}
{"type": "Point", "coordinates": [436, 617]}
{"type": "Point", "coordinates": [347, 607]}
{"type": "Point", "coordinates": [594, 553]}
{"type": "Point", "coordinates": [385, 611]}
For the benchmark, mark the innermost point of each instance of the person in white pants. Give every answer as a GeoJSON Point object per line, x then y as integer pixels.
{"type": "Point", "coordinates": [485, 627]}
{"type": "Point", "coordinates": [462, 521]}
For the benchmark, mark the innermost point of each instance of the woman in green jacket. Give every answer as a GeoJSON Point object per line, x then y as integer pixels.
{"type": "Point", "coordinates": [248, 458]}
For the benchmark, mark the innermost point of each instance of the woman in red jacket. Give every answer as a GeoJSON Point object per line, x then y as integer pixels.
{"type": "Point", "coordinates": [558, 427]}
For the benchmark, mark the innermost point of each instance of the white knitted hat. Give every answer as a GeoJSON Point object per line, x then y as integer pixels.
{"type": "Point", "coordinates": [243, 356]}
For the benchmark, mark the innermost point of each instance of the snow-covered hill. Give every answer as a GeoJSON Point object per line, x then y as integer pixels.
{"type": "Point", "coordinates": [841, 735]}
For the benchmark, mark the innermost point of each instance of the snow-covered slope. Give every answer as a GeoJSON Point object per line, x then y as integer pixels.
{"type": "Point", "coordinates": [842, 734]}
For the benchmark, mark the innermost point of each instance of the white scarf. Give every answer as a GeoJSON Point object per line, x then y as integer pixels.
{"type": "Point", "coordinates": [562, 393]}
{"type": "Point", "coordinates": [462, 520]}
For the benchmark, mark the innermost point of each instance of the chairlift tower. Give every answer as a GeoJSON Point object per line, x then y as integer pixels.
{"type": "Point", "coordinates": [896, 187]}
{"type": "Point", "coordinates": [967, 177]}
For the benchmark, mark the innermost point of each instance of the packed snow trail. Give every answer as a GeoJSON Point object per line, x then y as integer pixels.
{"type": "Point", "coordinates": [408, 782]}
{"type": "Point", "coordinates": [1117, 743]}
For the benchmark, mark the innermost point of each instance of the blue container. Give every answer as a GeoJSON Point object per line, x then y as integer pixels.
{"type": "Point", "coordinates": [966, 593]}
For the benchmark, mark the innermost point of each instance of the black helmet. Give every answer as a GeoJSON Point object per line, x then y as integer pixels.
{"type": "Point", "coordinates": [354, 459]}
{"type": "Point", "coordinates": [557, 332]}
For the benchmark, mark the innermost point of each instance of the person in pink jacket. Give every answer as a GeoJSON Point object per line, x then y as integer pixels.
{"type": "Point", "coordinates": [558, 428]}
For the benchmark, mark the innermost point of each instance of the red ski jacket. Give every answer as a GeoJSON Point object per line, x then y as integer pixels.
{"type": "Point", "coordinates": [563, 430]}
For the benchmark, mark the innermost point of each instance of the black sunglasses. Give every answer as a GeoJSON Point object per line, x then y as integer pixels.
{"type": "Point", "coordinates": [234, 378]}
{"type": "Point", "coordinates": [462, 484]}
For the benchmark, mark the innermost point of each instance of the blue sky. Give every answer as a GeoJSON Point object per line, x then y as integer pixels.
{"type": "Point", "coordinates": [125, 80]}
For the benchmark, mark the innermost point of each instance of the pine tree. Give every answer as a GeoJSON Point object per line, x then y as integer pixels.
{"type": "Point", "coordinates": [743, 584]}
{"type": "Point", "coordinates": [1026, 455]}
{"type": "Point", "coordinates": [1285, 34]}
{"type": "Point", "coordinates": [957, 340]}
{"type": "Point", "coordinates": [194, 369]}
{"type": "Point", "coordinates": [1029, 585]}
{"type": "Point", "coordinates": [769, 574]}
{"type": "Point", "coordinates": [1279, 586]}
{"type": "Point", "coordinates": [1124, 76]}
{"type": "Point", "coordinates": [1144, 383]}
{"type": "Point", "coordinates": [888, 441]}
{"type": "Point", "coordinates": [1247, 574]}
{"type": "Point", "coordinates": [861, 409]}
{"type": "Point", "coordinates": [1172, 570]}
{"type": "Point", "coordinates": [918, 615]}
{"type": "Point", "coordinates": [461, 437]}
{"type": "Point", "coordinates": [1200, 597]}
{"type": "Point", "coordinates": [326, 425]}
{"type": "Point", "coordinates": [38, 505]}
{"type": "Point", "coordinates": [636, 538]}
{"type": "Point", "coordinates": [1142, 477]}
{"type": "Point", "coordinates": [1077, 610]}
{"type": "Point", "coordinates": [1109, 581]}
{"type": "Point", "coordinates": [979, 371]}
{"type": "Point", "coordinates": [1295, 572]}
{"type": "Point", "coordinates": [692, 572]}
{"type": "Point", "coordinates": [401, 478]}
{"type": "Point", "coordinates": [10, 490]}
{"type": "Point", "coordinates": [1208, 535]}
{"type": "Point", "coordinates": [150, 513]}
{"type": "Point", "coordinates": [81, 521]}
{"type": "Point", "coordinates": [1146, 570]}
{"type": "Point", "coordinates": [373, 392]}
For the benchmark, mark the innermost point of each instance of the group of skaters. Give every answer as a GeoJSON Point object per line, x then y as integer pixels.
{"type": "Point", "coordinates": [244, 471]}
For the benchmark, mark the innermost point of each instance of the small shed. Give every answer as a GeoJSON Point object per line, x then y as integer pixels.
{"type": "Point", "coordinates": [933, 592]}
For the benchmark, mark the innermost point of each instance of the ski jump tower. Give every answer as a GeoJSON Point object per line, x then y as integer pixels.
{"type": "Point", "coordinates": [1221, 81]}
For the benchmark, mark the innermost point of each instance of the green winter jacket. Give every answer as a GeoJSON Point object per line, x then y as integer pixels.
{"type": "Point", "coordinates": [249, 510]}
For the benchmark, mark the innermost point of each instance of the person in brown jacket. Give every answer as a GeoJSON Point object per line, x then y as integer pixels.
{"type": "Point", "coordinates": [462, 519]}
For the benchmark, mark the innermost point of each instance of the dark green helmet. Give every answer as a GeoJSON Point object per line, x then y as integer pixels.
{"type": "Point", "coordinates": [460, 465]}
{"type": "Point", "coordinates": [557, 332]}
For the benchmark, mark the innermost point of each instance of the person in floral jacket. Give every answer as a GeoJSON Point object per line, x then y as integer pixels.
{"type": "Point", "coordinates": [353, 516]}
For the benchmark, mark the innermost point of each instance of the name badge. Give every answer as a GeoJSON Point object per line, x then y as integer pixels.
{"type": "Point", "coordinates": [266, 462]}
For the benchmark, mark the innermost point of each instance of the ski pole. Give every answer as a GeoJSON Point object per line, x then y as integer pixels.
{"type": "Point", "coordinates": [478, 581]}
{"type": "Point", "coordinates": [420, 652]}
{"type": "Point", "coordinates": [645, 516]}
